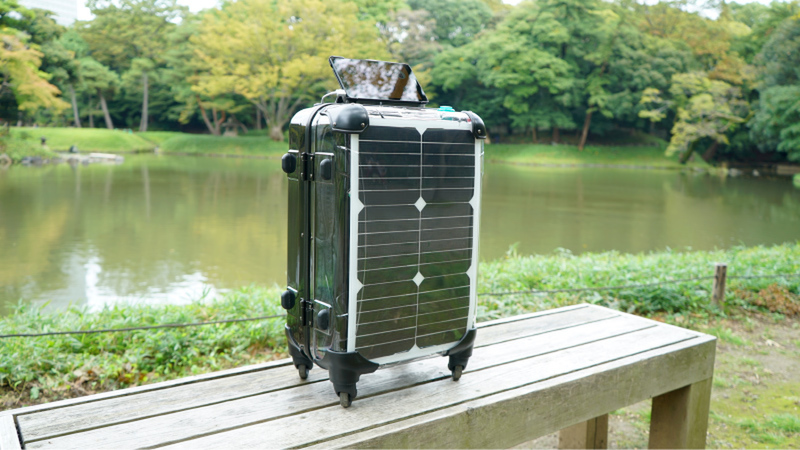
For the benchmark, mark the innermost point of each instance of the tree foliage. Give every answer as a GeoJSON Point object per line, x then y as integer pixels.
{"type": "Point", "coordinates": [20, 61]}
{"type": "Point", "coordinates": [274, 53]}
{"type": "Point", "coordinates": [723, 83]}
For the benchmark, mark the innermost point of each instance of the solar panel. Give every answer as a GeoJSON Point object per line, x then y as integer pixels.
{"type": "Point", "coordinates": [415, 238]}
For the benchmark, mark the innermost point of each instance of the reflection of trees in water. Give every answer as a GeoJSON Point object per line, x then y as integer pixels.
{"type": "Point", "coordinates": [223, 219]}
{"type": "Point", "coordinates": [768, 197]}
{"type": "Point", "coordinates": [630, 210]}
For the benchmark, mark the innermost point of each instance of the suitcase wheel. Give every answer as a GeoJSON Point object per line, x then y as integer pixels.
{"type": "Point", "coordinates": [457, 372]}
{"type": "Point", "coordinates": [302, 370]}
{"type": "Point", "coordinates": [345, 400]}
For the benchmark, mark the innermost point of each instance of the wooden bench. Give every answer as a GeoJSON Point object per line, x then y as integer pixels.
{"type": "Point", "coordinates": [529, 376]}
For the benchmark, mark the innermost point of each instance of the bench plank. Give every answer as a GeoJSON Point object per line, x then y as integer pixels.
{"type": "Point", "coordinates": [8, 433]}
{"type": "Point", "coordinates": [85, 416]}
{"type": "Point", "coordinates": [513, 417]}
{"type": "Point", "coordinates": [332, 422]}
{"type": "Point", "coordinates": [260, 408]}
{"type": "Point", "coordinates": [529, 376]}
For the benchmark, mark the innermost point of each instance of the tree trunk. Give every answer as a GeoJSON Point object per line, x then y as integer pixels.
{"type": "Point", "coordinates": [712, 150]}
{"type": "Point", "coordinates": [258, 118]}
{"type": "Point", "coordinates": [91, 117]}
{"type": "Point", "coordinates": [534, 136]}
{"type": "Point", "coordinates": [77, 118]}
{"type": "Point", "coordinates": [687, 154]}
{"type": "Point", "coordinates": [213, 128]}
{"type": "Point", "coordinates": [585, 133]}
{"type": "Point", "coordinates": [145, 88]}
{"type": "Point", "coordinates": [276, 133]}
{"type": "Point", "coordinates": [556, 136]}
{"type": "Point", "coordinates": [106, 115]}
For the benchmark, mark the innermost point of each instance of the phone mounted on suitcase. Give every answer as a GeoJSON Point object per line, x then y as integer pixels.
{"type": "Point", "coordinates": [384, 211]}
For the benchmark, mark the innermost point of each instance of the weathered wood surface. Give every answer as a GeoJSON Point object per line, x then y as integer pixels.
{"type": "Point", "coordinates": [590, 434]}
{"type": "Point", "coordinates": [8, 433]}
{"type": "Point", "coordinates": [679, 418]}
{"type": "Point", "coordinates": [529, 376]}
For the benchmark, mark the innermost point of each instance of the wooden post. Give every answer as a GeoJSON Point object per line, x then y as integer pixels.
{"type": "Point", "coordinates": [679, 419]}
{"type": "Point", "coordinates": [720, 275]}
{"type": "Point", "coordinates": [590, 434]}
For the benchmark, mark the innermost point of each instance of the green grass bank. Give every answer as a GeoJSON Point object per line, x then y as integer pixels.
{"type": "Point", "coordinates": [255, 144]}
{"type": "Point", "coordinates": [617, 156]}
{"type": "Point", "coordinates": [86, 139]}
{"type": "Point", "coordinates": [33, 370]}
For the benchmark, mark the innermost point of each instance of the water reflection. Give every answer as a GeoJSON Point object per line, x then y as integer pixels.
{"type": "Point", "coordinates": [171, 229]}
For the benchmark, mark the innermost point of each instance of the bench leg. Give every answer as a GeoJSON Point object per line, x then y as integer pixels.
{"type": "Point", "coordinates": [679, 418]}
{"type": "Point", "coordinates": [590, 434]}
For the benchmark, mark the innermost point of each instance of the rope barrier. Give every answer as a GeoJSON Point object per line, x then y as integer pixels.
{"type": "Point", "coordinates": [613, 288]}
{"type": "Point", "coordinates": [484, 294]}
{"type": "Point", "coordinates": [602, 288]}
{"type": "Point", "coordinates": [149, 327]}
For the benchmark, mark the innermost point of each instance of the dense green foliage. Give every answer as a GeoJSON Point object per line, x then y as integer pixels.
{"type": "Point", "coordinates": [543, 71]}
{"type": "Point", "coordinates": [52, 366]}
{"type": "Point", "coordinates": [19, 145]}
{"type": "Point", "coordinates": [121, 359]}
{"type": "Point", "coordinates": [565, 271]}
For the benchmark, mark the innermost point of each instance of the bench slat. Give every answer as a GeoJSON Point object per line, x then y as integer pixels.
{"type": "Point", "coordinates": [332, 422]}
{"type": "Point", "coordinates": [188, 424]}
{"type": "Point", "coordinates": [8, 433]}
{"type": "Point", "coordinates": [55, 422]}
{"type": "Point", "coordinates": [524, 414]}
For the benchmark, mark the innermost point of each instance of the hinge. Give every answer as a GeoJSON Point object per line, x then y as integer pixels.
{"type": "Point", "coordinates": [308, 167]}
{"type": "Point", "coordinates": [307, 312]}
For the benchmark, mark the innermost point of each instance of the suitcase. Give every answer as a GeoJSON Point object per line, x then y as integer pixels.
{"type": "Point", "coordinates": [384, 209]}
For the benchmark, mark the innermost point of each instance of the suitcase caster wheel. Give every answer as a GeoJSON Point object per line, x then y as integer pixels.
{"type": "Point", "coordinates": [345, 400]}
{"type": "Point", "coordinates": [302, 370]}
{"type": "Point", "coordinates": [457, 372]}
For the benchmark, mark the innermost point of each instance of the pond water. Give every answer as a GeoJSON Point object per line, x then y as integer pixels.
{"type": "Point", "coordinates": [172, 229]}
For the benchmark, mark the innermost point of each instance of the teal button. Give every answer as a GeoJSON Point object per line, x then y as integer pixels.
{"type": "Point", "coordinates": [447, 109]}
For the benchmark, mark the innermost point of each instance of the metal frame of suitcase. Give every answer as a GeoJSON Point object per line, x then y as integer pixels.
{"type": "Point", "coordinates": [384, 208]}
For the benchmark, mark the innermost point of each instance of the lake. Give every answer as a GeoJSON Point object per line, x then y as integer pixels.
{"type": "Point", "coordinates": [173, 229]}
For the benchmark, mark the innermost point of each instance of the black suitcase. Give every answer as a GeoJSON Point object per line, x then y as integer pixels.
{"type": "Point", "coordinates": [384, 208]}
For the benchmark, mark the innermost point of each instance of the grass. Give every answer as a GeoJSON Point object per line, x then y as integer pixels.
{"type": "Point", "coordinates": [40, 369]}
{"type": "Point", "coordinates": [199, 144]}
{"type": "Point", "coordinates": [48, 368]}
{"type": "Point", "coordinates": [681, 302]}
{"type": "Point", "coordinates": [158, 137]}
{"type": "Point", "coordinates": [649, 156]}
{"type": "Point", "coordinates": [86, 139]}
{"type": "Point", "coordinates": [115, 141]}
{"type": "Point", "coordinates": [20, 146]}
{"type": "Point", "coordinates": [256, 143]}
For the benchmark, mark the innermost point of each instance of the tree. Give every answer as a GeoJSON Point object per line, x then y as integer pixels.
{"type": "Point", "coordinates": [130, 36]}
{"type": "Point", "coordinates": [706, 110]}
{"type": "Point", "coordinates": [457, 22]}
{"type": "Point", "coordinates": [101, 81]}
{"type": "Point", "coordinates": [58, 58]}
{"type": "Point", "coordinates": [459, 82]}
{"type": "Point", "coordinates": [20, 62]}
{"type": "Point", "coordinates": [709, 40]}
{"type": "Point", "coordinates": [762, 20]}
{"type": "Point", "coordinates": [776, 125]}
{"type": "Point", "coordinates": [274, 52]}
{"type": "Point", "coordinates": [410, 37]}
